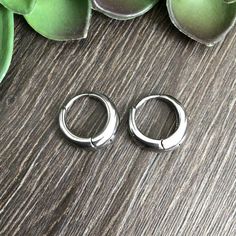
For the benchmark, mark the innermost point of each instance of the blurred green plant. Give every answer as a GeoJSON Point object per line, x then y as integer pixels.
{"type": "Point", "coordinates": [6, 40]}
{"type": "Point", "coordinates": [206, 21]}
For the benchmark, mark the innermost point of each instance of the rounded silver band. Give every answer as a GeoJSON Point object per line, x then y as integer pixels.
{"type": "Point", "coordinates": [106, 136]}
{"type": "Point", "coordinates": [162, 145]}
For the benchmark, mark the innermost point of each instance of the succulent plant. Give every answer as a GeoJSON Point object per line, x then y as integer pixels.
{"type": "Point", "coordinates": [206, 21]}
{"type": "Point", "coordinates": [19, 6]}
{"type": "Point", "coordinates": [123, 9]}
{"type": "Point", "coordinates": [60, 19]}
{"type": "Point", "coordinates": [6, 40]}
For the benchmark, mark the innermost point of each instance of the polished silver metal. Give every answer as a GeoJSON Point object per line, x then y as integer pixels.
{"type": "Point", "coordinates": [106, 136]}
{"type": "Point", "coordinates": [162, 145]}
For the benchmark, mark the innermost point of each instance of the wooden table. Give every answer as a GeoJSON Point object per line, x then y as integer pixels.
{"type": "Point", "coordinates": [49, 186]}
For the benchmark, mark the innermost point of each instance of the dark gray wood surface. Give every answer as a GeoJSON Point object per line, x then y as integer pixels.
{"type": "Point", "coordinates": [51, 187]}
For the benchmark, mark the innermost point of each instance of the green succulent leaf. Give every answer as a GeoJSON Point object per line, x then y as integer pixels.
{"type": "Point", "coordinates": [123, 9]}
{"type": "Point", "coordinates": [19, 6]}
{"type": "Point", "coordinates": [230, 1]}
{"type": "Point", "coordinates": [61, 19]}
{"type": "Point", "coordinates": [206, 21]}
{"type": "Point", "coordinates": [6, 40]}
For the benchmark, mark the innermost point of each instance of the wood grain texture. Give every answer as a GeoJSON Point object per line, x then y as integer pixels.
{"type": "Point", "coordinates": [51, 187]}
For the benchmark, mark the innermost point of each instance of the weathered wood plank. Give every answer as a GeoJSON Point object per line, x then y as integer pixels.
{"type": "Point", "coordinates": [51, 187]}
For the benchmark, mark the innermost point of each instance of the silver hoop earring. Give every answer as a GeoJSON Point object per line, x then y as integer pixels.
{"type": "Point", "coordinates": [162, 145]}
{"type": "Point", "coordinates": [106, 136]}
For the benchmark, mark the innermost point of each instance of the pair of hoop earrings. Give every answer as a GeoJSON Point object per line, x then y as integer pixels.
{"type": "Point", "coordinates": [107, 135]}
